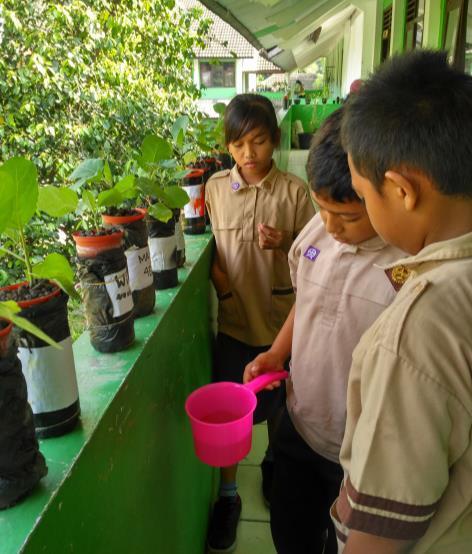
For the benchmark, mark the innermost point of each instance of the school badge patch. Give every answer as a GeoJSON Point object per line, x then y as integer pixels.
{"type": "Point", "coordinates": [311, 253]}
{"type": "Point", "coordinates": [397, 276]}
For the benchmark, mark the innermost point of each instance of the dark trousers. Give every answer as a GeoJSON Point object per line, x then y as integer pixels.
{"type": "Point", "coordinates": [305, 486]}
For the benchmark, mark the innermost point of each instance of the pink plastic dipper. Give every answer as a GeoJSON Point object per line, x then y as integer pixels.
{"type": "Point", "coordinates": [221, 418]}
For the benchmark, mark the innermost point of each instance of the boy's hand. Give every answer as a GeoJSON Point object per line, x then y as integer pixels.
{"type": "Point", "coordinates": [269, 238]}
{"type": "Point", "coordinates": [267, 361]}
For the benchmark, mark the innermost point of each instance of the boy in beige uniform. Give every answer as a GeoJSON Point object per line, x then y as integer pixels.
{"type": "Point", "coordinates": [407, 452]}
{"type": "Point", "coordinates": [339, 294]}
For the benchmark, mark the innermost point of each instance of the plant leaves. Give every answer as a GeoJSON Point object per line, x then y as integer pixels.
{"type": "Point", "coordinates": [86, 171]}
{"type": "Point", "coordinates": [57, 201]}
{"type": "Point", "coordinates": [18, 193]}
{"type": "Point", "coordinates": [219, 108]}
{"type": "Point", "coordinates": [160, 212]}
{"type": "Point", "coordinates": [89, 200]}
{"type": "Point", "coordinates": [8, 310]}
{"type": "Point", "coordinates": [127, 187]}
{"type": "Point", "coordinates": [176, 197]}
{"type": "Point", "coordinates": [111, 197]}
{"type": "Point", "coordinates": [179, 128]}
{"type": "Point", "coordinates": [154, 149]}
{"type": "Point", "coordinates": [56, 267]}
{"type": "Point", "coordinates": [107, 175]}
{"type": "Point", "coordinates": [147, 186]}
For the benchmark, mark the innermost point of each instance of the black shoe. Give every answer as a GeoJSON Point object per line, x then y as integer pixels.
{"type": "Point", "coordinates": [267, 470]}
{"type": "Point", "coordinates": [223, 524]}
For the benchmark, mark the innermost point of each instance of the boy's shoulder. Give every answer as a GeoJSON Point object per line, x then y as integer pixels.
{"type": "Point", "coordinates": [291, 179]}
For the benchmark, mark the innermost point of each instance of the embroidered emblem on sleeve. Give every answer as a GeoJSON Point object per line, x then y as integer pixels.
{"type": "Point", "coordinates": [311, 253]}
{"type": "Point", "coordinates": [397, 276]}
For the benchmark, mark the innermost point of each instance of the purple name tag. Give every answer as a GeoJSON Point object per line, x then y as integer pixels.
{"type": "Point", "coordinates": [311, 253]}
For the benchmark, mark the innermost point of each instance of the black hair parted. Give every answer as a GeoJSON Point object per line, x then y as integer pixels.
{"type": "Point", "coordinates": [414, 112]}
{"type": "Point", "coordinates": [247, 112]}
{"type": "Point", "coordinates": [327, 168]}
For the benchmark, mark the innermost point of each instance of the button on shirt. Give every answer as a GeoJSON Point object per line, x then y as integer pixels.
{"type": "Point", "coordinates": [407, 450]}
{"type": "Point", "coordinates": [340, 293]}
{"type": "Point", "coordinates": [260, 279]}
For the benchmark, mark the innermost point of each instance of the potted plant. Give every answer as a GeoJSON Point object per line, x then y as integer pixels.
{"type": "Point", "coordinates": [102, 264]}
{"type": "Point", "coordinates": [22, 465]}
{"type": "Point", "coordinates": [117, 198]}
{"type": "Point", "coordinates": [157, 171]}
{"type": "Point", "coordinates": [42, 297]}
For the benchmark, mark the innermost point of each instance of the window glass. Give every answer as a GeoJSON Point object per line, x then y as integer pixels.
{"type": "Point", "coordinates": [218, 74]}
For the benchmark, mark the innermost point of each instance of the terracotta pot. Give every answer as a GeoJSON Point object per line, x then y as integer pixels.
{"type": "Point", "coordinates": [5, 338]}
{"type": "Point", "coordinates": [90, 247]}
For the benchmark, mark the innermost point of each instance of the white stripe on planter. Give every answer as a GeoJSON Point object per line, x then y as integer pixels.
{"type": "Point", "coordinates": [163, 253]}
{"type": "Point", "coordinates": [118, 289]}
{"type": "Point", "coordinates": [139, 268]}
{"type": "Point", "coordinates": [50, 376]}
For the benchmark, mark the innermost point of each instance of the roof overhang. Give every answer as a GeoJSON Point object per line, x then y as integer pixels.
{"type": "Point", "coordinates": [283, 30]}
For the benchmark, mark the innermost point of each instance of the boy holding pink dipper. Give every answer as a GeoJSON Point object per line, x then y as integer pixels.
{"type": "Point", "coordinates": [339, 294]}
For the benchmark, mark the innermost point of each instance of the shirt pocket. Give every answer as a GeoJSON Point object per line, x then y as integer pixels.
{"type": "Point", "coordinates": [281, 303]}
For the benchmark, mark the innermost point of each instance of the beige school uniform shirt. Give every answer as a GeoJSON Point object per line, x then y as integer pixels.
{"type": "Point", "coordinates": [340, 293]}
{"type": "Point", "coordinates": [407, 451]}
{"type": "Point", "coordinates": [262, 293]}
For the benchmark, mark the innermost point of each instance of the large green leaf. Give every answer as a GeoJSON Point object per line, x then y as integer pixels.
{"type": "Point", "coordinates": [56, 201]}
{"type": "Point", "coordinates": [89, 200]}
{"type": "Point", "coordinates": [219, 108]}
{"type": "Point", "coordinates": [154, 149]}
{"type": "Point", "coordinates": [9, 310]}
{"type": "Point", "coordinates": [55, 267]}
{"type": "Point", "coordinates": [148, 187]}
{"type": "Point", "coordinates": [177, 197]}
{"type": "Point", "coordinates": [160, 212]}
{"type": "Point", "coordinates": [127, 187]}
{"type": "Point", "coordinates": [179, 128]}
{"type": "Point", "coordinates": [86, 171]}
{"type": "Point", "coordinates": [18, 193]}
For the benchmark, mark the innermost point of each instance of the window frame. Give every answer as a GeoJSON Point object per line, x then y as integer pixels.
{"type": "Point", "coordinates": [222, 63]}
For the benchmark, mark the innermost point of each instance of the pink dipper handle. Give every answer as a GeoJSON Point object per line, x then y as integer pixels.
{"type": "Point", "coordinates": [265, 379]}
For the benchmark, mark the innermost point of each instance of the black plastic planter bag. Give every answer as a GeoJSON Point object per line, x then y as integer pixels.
{"type": "Point", "coordinates": [50, 372]}
{"type": "Point", "coordinates": [21, 463]}
{"type": "Point", "coordinates": [139, 266]}
{"type": "Point", "coordinates": [108, 300]}
{"type": "Point", "coordinates": [179, 239]}
{"type": "Point", "coordinates": [163, 249]}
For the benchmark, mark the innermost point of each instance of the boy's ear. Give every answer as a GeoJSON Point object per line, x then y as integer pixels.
{"type": "Point", "coordinates": [405, 188]}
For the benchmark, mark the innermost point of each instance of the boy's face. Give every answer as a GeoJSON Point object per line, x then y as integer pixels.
{"type": "Point", "coordinates": [253, 154]}
{"type": "Point", "coordinates": [347, 222]}
{"type": "Point", "coordinates": [385, 212]}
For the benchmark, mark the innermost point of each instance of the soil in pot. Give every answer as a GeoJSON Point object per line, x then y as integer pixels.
{"type": "Point", "coordinates": [21, 463]}
{"type": "Point", "coordinates": [163, 249]}
{"type": "Point", "coordinates": [194, 210]}
{"type": "Point", "coordinates": [49, 372]}
{"type": "Point", "coordinates": [107, 294]}
{"type": "Point", "coordinates": [179, 239]}
{"type": "Point", "coordinates": [135, 234]}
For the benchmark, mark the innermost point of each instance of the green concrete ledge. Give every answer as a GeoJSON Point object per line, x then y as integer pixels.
{"type": "Point", "coordinates": [127, 480]}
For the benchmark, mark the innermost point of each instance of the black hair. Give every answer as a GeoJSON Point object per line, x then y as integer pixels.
{"type": "Point", "coordinates": [414, 112]}
{"type": "Point", "coordinates": [247, 112]}
{"type": "Point", "coordinates": [327, 168]}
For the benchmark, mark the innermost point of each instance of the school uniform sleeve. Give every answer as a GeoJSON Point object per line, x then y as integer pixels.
{"type": "Point", "coordinates": [305, 209]}
{"type": "Point", "coordinates": [406, 434]}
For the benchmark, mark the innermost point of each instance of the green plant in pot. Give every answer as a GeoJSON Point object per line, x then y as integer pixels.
{"type": "Point", "coordinates": [22, 465]}
{"type": "Point", "coordinates": [42, 297]}
{"type": "Point", "coordinates": [114, 208]}
{"type": "Point", "coordinates": [101, 260]}
{"type": "Point", "coordinates": [157, 176]}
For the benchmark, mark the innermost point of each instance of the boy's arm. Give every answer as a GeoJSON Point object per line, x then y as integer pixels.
{"type": "Point", "coordinates": [360, 543]}
{"type": "Point", "coordinates": [276, 356]}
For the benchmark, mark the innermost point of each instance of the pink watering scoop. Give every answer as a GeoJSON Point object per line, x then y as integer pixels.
{"type": "Point", "coordinates": [221, 418]}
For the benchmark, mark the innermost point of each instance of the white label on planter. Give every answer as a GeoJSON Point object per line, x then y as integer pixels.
{"type": "Point", "coordinates": [118, 289]}
{"type": "Point", "coordinates": [139, 268]}
{"type": "Point", "coordinates": [163, 253]}
{"type": "Point", "coordinates": [196, 206]}
{"type": "Point", "coordinates": [50, 376]}
{"type": "Point", "coordinates": [179, 236]}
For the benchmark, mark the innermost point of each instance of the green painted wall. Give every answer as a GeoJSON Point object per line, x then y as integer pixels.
{"type": "Point", "coordinates": [397, 44]}
{"type": "Point", "coordinates": [214, 93]}
{"type": "Point", "coordinates": [127, 480]}
{"type": "Point", "coordinates": [434, 20]}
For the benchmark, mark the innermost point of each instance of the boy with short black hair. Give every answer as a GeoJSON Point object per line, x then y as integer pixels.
{"type": "Point", "coordinates": [339, 293]}
{"type": "Point", "coordinates": [407, 450]}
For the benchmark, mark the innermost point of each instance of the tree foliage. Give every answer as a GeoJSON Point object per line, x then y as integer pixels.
{"type": "Point", "coordinates": [90, 78]}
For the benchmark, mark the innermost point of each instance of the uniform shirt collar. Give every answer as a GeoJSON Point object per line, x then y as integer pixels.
{"type": "Point", "coordinates": [452, 249]}
{"type": "Point", "coordinates": [267, 183]}
{"type": "Point", "coordinates": [371, 245]}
